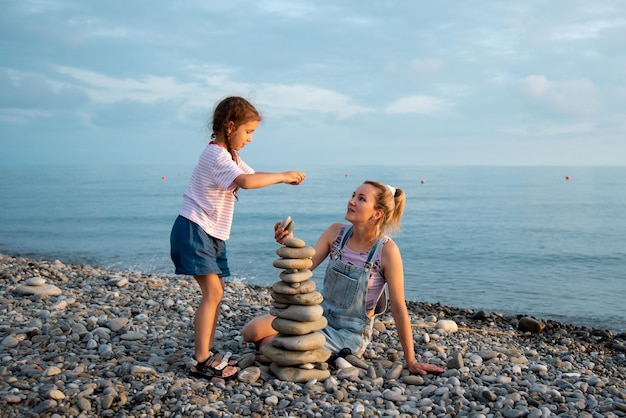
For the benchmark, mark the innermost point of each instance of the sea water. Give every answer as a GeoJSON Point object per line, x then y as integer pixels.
{"type": "Point", "coordinates": [543, 241]}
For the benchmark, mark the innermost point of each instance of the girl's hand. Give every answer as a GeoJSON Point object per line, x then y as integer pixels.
{"type": "Point", "coordinates": [280, 233]}
{"type": "Point", "coordinates": [423, 368]}
{"type": "Point", "coordinates": [293, 177]}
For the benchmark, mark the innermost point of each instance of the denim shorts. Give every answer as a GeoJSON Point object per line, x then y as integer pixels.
{"type": "Point", "coordinates": [341, 338]}
{"type": "Point", "coordinates": [196, 253]}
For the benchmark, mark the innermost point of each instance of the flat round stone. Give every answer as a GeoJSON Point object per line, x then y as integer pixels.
{"type": "Point", "coordinates": [294, 242]}
{"type": "Point", "coordinates": [45, 290]}
{"type": "Point", "coordinates": [284, 357]}
{"type": "Point", "coordinates": [290, 252]}
{"type": "Point", "coordinates": [285, 222]}
{"type": "Point", "coordinates": [295, 276]}
{"type": "Point", "coordinates": [35, 281]}
{"type": "Point", "coordinates": [528, 324]}
{"type": "Point", "coordinates": [297, 374]}
{"type": "Point", "coordinates": [285, 288]}
{"type": "Point", "coordinates": [299, 342]}
{"type": "Point", "coordinates": [289, 327]}
{"type": "Point", "coordinates": [301, 313]}
{"type": "Point", "coordinates": [447, 325]}
{"type": "Point", "coordinates": [290, 226]}
{"type": "Point", "coordinates": [293, 263]}
{"type": "Point", "coordinates": [312, 298]}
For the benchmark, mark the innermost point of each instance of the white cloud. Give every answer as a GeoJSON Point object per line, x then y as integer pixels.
{"type": "Point", "coordinates": [536, 85]}
{"type": "Point", "coordinates": [149, 89]}
{"type": "Point", "coordinates": [118, 33]}
{"type": "Point", "coordinates": [502, 44]}
{"type": "Point", "coordinates": [454, 89]}
{"type": "Point", "coordinates": [416, 104]}
{"type": "Point", "coordinates": [576, 97]}
{"type": "Point", "coordinates": [38, 6]}
{"type": "Point", "coordinates": [32, 91]}
{"type": "Point", "coordinates": [425, 65]}
{"type": "Point", "coordinates": [549, 130]}
{"type": "Point", "coordinates": [358, 20]}
{"type": "Point", "coordinates": [213, 82]}
{"type": "Point", "coordinates": [587, 30]}
{"type": "Point", "coordinates": [414, 67]}
{"type": "Point", "coordinates": [22, 116]}
{"type": "Point", "coordinates": [289, 99]}
{"type": "Point", "coordinates": [291, 9]}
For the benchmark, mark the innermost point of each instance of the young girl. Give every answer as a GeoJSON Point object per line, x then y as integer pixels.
{"type": "Point", "coordinates": [204, 222]}
{"type": "Point", "coordinates": [363, 261]}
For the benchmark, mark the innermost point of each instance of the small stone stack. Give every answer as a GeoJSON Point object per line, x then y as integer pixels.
{"type": "Point", "coordinates": [297, 352]}
{"type": "Point", "coordinates": [37, 286]}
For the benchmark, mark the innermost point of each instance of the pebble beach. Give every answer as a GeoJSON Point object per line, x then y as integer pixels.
{"type": "Point", "coordinates": [77, 340]}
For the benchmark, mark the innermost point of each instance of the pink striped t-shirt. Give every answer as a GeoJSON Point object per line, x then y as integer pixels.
{"type": "Point", "coordinates": [209, 199]}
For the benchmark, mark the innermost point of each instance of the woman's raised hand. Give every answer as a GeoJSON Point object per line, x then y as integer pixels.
{"type": "Point", "coordinates": [280, 233]}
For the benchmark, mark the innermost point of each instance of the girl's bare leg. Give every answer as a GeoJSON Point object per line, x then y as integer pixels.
{"type": "Point", "coordinates": [205, 320]}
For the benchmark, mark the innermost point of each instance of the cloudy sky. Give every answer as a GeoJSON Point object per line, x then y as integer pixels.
{"type": "Point", "coordinates": [447, 82]}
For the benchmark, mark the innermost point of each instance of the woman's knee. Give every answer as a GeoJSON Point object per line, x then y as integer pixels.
{"type": "Point", "coordinates": [250, 331]}
{"type": "Point", "coordinates": [258, 328]}
{"type": "Point", "coordinates": [247, 332]}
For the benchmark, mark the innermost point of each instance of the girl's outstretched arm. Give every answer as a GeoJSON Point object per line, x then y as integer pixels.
{"type": "Point", "coordinates": [262, 179]}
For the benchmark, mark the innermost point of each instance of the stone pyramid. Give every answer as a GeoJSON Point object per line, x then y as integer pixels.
{"type": "Point", "coordinates": [297, 353]}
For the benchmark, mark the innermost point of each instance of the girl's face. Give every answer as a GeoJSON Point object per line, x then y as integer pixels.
{"type": "Point", "coordinates": [361, 206]}
{"type": "Point", "coordinates": [242, 135]}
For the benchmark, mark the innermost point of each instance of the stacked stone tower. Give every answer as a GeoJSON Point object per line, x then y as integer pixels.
{"type": "Point", "coordinates": [297, 353]}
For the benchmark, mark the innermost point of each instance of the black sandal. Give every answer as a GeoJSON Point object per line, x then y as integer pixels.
{"type": "Point", "coordinates": [220, 361]}
{"type": "Point", "coordinates": [218, 365]}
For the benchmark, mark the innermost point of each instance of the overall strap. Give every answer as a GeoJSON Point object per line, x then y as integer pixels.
{"type": "Point", "coordinates": [373, 251]}
{"type": "Point", "coordinates": [346, 234]}
{"type": "Point", "coordinates": [381, 303]}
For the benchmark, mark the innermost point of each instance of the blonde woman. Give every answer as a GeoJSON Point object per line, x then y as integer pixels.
{"type": "Point", "coordinates": [364, 262]}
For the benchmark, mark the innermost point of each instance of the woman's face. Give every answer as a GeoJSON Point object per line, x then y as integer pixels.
{"type": "Point", "coordinates": [361, 206]}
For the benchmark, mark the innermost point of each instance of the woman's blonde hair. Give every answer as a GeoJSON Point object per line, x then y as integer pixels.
{"type": "Point", "coordinates": [390, 200]}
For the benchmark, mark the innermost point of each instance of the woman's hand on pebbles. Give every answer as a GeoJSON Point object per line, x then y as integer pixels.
{"type": "Point", "coordinates": [423, 368]}
{"type": "Point", "coordinates": [280, 233]}
{"type": "Point", "coordinates": [293, 177]}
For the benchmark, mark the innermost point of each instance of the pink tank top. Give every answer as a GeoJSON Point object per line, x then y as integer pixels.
{"type": "Point", "coordinates": [376, 283]}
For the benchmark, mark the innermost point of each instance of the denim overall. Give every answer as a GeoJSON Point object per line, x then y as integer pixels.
{"type": "Point", "coordinates": [345, 291]}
